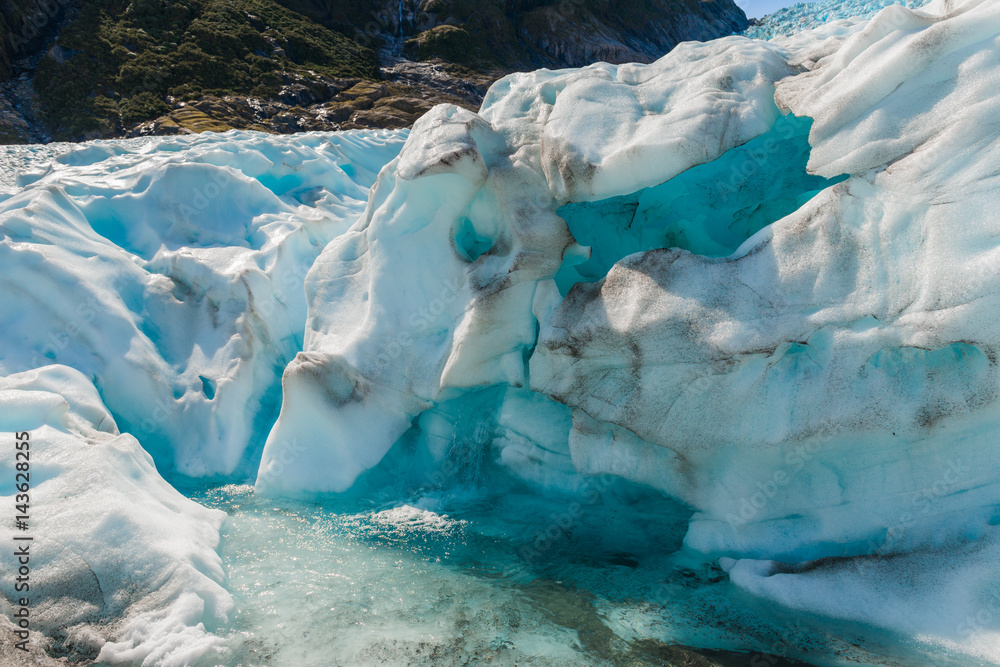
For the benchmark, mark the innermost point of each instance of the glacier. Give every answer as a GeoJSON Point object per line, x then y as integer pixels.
{"type": "Point", "coordinates": [171, 273]}
{"type": "Point", "coordinates": [153, 291]}
{"type": "Point", "coordinates": [803, 16]}
{"type": "Point", "coordinates": [122, 551]}
{"type": "Point", "coordinates": [717, 334]}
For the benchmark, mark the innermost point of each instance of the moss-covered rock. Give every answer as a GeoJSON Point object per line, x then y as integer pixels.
{"type": "Point", "coordinates": [446, 42]}
{"type": "Point", "coordinates": [359, 105]}
{"type": "Point", "coordinates": [530, 33]}
{"type": "Point", "coordinates": [189, 120]}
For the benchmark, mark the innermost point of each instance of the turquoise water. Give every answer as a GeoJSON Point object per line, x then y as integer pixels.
{"type": "Point", "coordinates": [501, 575]}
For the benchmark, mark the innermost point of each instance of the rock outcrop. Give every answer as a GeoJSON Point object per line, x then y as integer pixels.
{"type": "Point", "coordinates": [107, 68]}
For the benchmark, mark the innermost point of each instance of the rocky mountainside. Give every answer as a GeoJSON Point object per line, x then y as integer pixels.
{"type": "Point", "coordinates": [531, 33]}
{"type": "Point", "coordinates": [75, 70]}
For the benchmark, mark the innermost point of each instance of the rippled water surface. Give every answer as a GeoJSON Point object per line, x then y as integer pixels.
{"type": "Point", "coordinates": [489, 577]}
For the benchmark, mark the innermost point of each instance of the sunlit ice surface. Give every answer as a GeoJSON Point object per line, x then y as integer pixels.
{"type": "Point", "coordinates": [757, 277]}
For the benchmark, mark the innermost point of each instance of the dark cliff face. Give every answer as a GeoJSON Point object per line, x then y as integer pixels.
{"type": "Point", "coordinates": [25, 25]}
{"type": "Point", "coordinates": [103, 68]}
{"type": "Point", "coordinates": [530, 33]}
{"type": "Point", "coordinates": [620, 31]}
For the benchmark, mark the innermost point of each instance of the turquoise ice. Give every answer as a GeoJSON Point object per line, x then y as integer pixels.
{"type": "Point", "coordinates": [710, 209]}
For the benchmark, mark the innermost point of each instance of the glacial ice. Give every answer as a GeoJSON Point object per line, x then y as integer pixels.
{"type": "Point", "coordinates": [124, 568]}
{"type": "Point", "coordinates": [154, 287]}
{"type": "Point", "coordinates": [803, 16]}
{"type": "Point", "coordinates": [755, 278]}
{"type": "Point", "coordinates": [171, 274]}
{"type": "Point", "coordinates": [820, 352]}
{"type": "Point", "coordinates": [399, 316]}
{"type": "Point", "coordinates": [750, 187]}
{"type": "Point", "coordinates": [841, 342]}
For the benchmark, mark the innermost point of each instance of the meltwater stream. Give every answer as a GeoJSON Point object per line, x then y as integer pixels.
{"type": "Point", "coordinates": [502, 576]}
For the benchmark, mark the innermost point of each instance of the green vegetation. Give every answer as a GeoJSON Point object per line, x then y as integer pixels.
{"type": "Point", "coordinates": [444, 41]}
{"type": "Point", "coordinates": [477, 33]}
{"type": "Point", "coordinates": [190, 65]}
{"type": "Point", "coordinates": [118, 61]}
{"type": "Point", "coordinates": [485, 37]}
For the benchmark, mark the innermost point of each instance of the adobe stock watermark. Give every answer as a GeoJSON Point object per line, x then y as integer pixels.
{"type": "Point", "coordinates": [282, 285]}
{"type": "Point", "coordinates": [922, 504]}
{"type": "Point", "coordinates": [37, 19]}
{"type": "Point", "coordinates": [561, 524]}
{"type": "Point", "coordinates": [203, 195]}
{"type": "Point", "coordinates": [59, 339]}
{"type": "Point", "coordinates": [749, 507]}
{"type": "Point", "coordinates": [757, 159]}
{"type": "Point", "coordinates": [986, 617]}
{"type": "Point", "coordinates": [459, 461]}
{"type": "Point", "coordinates": [382, 24]}
{"type": "Point", "coordinates": [788, 644]}
{"type": "Point", "coordinates": [21, 547]}
{"type": "Point", "coordinates": [419, 323]}
{"type": "Point", "coordinates": [375, 28]}
{"type": "Point", "coordinates": [282, 456]}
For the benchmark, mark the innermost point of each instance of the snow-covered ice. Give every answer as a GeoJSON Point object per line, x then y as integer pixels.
{"type": "Point", "coordinates": [124, 568]}
{"type": "Point", "coordinates": [171, 274]}
{"type": "Point", "coordinates": [435, 288]}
